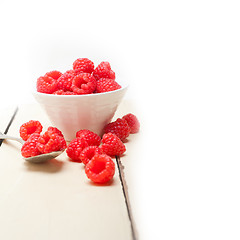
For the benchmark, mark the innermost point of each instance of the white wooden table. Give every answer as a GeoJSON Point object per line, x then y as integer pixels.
{"type": "Point", "coordinates": [55, 200]}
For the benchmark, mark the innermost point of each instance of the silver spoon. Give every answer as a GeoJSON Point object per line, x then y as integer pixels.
{"type": "Point", "coordinates": [36, 159]}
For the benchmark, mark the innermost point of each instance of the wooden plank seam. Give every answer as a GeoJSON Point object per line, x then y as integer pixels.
{"type": "Point", "coordinates": [9, 124]}
{"type": "Point", "coordinates": [125, 193]}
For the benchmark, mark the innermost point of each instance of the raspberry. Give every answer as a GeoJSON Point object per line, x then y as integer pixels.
{"type": "Point", "coordinates": [112, 145]}
{"type": "Point", "coordinates": [83, 65]}
{"type": "Point", "coordinates": [100, 169]}
{"type": "Point", "coordinates": [65, 81]}
{"type": "Point", "coordinates": [61, 92]}
{"type": "Point", "coordinates": [75, 148]}
{"type": "Point", "coordinates": [54, 130]}
{"type": "Point", "coordinates": [29, 148]}
{"type": "Point", "coordinates": [51, 142]}
{"type": "Point", "coordinates": [119, 127]}
{"type": "Point", "coordinates": [88, 153]}
{"type": "Point", "coordinates": [111, 74]}
{"type": "Point", "coordinates": [54, 74]}
{"type": "Point", "coordinates": [90, 137]}
{"type": "Point", "coordinates": [46, 84]}
{"type": "Point", "coordinates": [103, 70]}
{"type": "Point", "coordinates": [84, 83]}
{"type": "Point", "coordinates": [106, 85]}
{"type": "Point", "coordinates": [133, 122]}
{"type": "Point", "coordinates": [30, 127]}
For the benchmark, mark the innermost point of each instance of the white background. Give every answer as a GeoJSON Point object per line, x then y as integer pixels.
{"type": "Point", "coordinates": [182, 61]}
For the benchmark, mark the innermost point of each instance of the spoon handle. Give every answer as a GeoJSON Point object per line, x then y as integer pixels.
{"type": "Point", "coordinates": [4, 136]}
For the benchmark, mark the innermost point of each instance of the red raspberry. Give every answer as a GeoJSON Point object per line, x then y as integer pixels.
{"type": "Point", "coordinates": [65, 81]}
{"type": "Point", "coordinates": [119, 127]}
{"type": "Point", "coordinates": [106, 85]}
{"type": "Point", "coordinates": [112, 74]}
{"type": "Point", "coordinates": [100, 169]}
{"type": "Point", "coordinates": [112, 145]}
{"type": "Point", "coordinates": [30, 127]}
{"type": "Point", "coordinates": [46, 84]}
{"type": "Point", "coordinates": [83, 65]}
{"type": "Point", "coordinates": [84, 83]}
{"type": "Point", "coordinates": [54, 130]}
{"type": "Point", "coordinates": [29, 148]}
{"type": "Point", "coordinates": [61, 92]}
{"type": "Point", "coordinates": [103, 70]}
{"type": "Point", "coordinates": [88, 153]}
{"type": "Point", "coordinates": [54, 74]}
{"type": "Point", "coordinates": [75, 148]}
{"type": "Point", "coordinates": [133, 122]}
{"type": "Point", "coordinates": [50, 142]}
{"type": "Point", "coordinates": [90, 137]}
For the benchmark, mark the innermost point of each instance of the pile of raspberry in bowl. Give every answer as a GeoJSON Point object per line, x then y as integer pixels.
{"type": "Point", "coordinates": [83, 78]}
{"type": "Point", "coordinates": [83, 120]}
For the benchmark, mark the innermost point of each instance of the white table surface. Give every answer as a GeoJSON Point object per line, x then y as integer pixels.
{"type": "Point", "coordinates": [55, 200]}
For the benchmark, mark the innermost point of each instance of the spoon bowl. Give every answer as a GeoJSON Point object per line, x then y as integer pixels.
{"type": "Point", "coordinates": [36, 159]}
{"type": "Point", "coordinates": [43, 157]}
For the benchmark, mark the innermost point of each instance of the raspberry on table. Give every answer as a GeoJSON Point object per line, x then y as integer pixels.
{"type": "Point", "coordinates": [100, 169]}
{"type": "Point", "coordinates": [103, 70]}
{"type": "Point", "coordinates": [83, 83]}
{"type": "Point", "coordinates": [106, 85]}
{"type": "Point", "coordinates": [133, 122]}
{"type": "Point", "coordinates": [46, 84]}
{"type": "Point", "coordinates": [75, 148]}
{"type": "Point", "coordinates": [119, 127]}
{"type": "Point", "coordinates": [90, 137]}
{"type": "Point", "coordinates": [65, 81]}
{"type": "Point", "coordinates": [112, 145]}
{"type": "Point", "coordinates": [54, 74]}
{"type": "Point", "coordinates": [89, 152]}
{"type": "Point", "coordinates": [51, 142]}
{"type": "Point", "coordinates": [83, 65]}
{"type": "Point", "coordinates": [30, 127]}
{"type": "Point", "coordinates": [29, 148]}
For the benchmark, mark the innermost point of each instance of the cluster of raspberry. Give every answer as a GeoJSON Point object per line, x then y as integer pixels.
{"type": "Point", "coordinates": [84, 78]}
{"type": "Point", "coordinates": [88, 148]}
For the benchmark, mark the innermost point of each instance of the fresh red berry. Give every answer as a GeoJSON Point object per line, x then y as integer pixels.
{"type": "Point", "coordinates": [46, 84]}
{"type": "Point", "coordinates": [112, 145]}
{"type": "Point", "coordinates": [54, 130]}
{"type": "Point", "coordinates": [106, 85]}
{"type": "Point", "coordinates": [119, 127]}
{"type": "Point", "coordinates": [65, 81]}
{"type": "Point", "coordinates": [54, 74]}
{"type": "Point", "coordinates": [61, 92]}
{"type": "Point", "coordinates": [112, 74]}
{"type": "Point", "coordinates": [83, 65]}
{"type": "Point", "coordinates": [133, 122]}
{"type": "Point", "coordinates": [29, 148]}
{"type": "Point", "coordinates": [88, 153]}
{"type": "Point", "coordinates": [103, 70]}
{"type": "Point", "coordinates": [90, 137]}
{"type": "Point", "coordinates": [51, 142]}
{"type": "Point", "coordinates": [30, 127]}
{"type": "Point", "coordinates": [75, 148]}
{"type": "Point", "coordinates": [100, 169]}
{"type": "Point", "coordinates": [83, 83]}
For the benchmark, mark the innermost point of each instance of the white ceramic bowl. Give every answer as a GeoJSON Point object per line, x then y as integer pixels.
{"type": "Point", "coordinates": [70, 113]}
